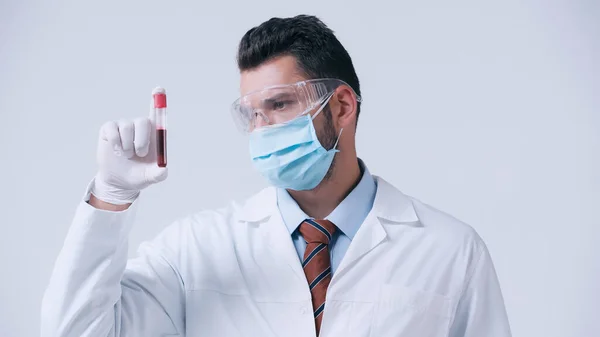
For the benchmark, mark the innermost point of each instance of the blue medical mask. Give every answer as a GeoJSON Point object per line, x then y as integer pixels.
{"type": "Point", "coordinates": [289, 155]}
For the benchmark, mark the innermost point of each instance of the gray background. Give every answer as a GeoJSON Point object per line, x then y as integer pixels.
{"type": "Point", "coordinates": [486, 110]}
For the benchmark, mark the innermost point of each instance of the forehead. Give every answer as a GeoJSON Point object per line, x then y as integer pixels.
{"type": "Point", "coordinates": [280, 70]}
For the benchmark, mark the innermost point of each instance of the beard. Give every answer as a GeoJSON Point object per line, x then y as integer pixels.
{"type": "Point", "coordinates": [328, 138]}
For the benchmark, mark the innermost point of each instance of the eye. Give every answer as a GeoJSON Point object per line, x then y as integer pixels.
{"type": "Point", "coordinates": [280, 105]}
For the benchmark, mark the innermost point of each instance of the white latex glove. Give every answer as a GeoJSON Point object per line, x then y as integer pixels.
{"type": "Point", "coordinates": [126, 158]}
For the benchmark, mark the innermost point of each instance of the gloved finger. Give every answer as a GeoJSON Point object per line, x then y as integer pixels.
{"type": "Point", "coordinates": [127, 133]}
{"type": "Point", "coordinates": [141, 141]}
{"type": "Point", "coordinates": [155, 174]}
{"type": "Point", "coordinates": [110, 132]}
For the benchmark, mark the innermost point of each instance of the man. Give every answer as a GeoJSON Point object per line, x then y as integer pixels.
{"type": "Point", "coordinates": [327, 250]}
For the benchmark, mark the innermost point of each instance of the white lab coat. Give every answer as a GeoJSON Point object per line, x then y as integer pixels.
{"type": "Point", "coordinates": [411, 270]}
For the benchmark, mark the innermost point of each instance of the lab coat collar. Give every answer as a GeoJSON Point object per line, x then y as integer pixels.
{"type": "Point", "coordinates": [390, 207]}
{"type": "Point", "coordinates": [393, 205]}
{"type": "Point", "coordinates": [390, 204]}
{"type": "Point", "coordinates": [259, 206]}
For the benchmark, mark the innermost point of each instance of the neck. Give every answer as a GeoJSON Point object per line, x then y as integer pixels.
{"type": "Point", "coordinates": [322, 200]}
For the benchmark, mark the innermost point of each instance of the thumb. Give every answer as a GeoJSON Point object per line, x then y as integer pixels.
{"type": "Point", "coordinates": [155, 174]}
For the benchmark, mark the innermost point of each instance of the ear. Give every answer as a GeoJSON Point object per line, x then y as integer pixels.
{"type": "Point", "coordinates": [345, 107]}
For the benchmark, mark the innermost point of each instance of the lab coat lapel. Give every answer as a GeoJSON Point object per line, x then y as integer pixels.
{"type": "Point", "coordinates": [370, 234]}
{"type": "Point", "coordinates": [262, 210]}
{"type": "Point", "coordinates": [278, 239]}
{"type": "Point", "coordinates": [390, 207]}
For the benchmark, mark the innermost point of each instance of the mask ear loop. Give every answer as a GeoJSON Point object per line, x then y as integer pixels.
{"type": "Point", "coordinates": [336, 142]}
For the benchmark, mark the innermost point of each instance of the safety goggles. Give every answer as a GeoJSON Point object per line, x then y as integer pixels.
{"type": "Point", "coordinates": [281, 103]}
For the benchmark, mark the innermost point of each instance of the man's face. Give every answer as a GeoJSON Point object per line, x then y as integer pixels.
{"type": "Point", "coordinates": [284, 70]}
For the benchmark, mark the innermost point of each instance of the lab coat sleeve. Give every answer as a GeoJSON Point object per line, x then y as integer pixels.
{"type": "Point", "coordinates": [94, 290]}
{"type": "Point", "coordinates": [481, 310]}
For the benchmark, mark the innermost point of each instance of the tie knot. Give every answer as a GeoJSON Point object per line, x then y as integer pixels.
{"type": "Point", "coordinates": [317, 231]}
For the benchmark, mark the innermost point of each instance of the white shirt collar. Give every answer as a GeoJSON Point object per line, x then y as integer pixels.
{"type": "Point", "coordinates": [389, 204]}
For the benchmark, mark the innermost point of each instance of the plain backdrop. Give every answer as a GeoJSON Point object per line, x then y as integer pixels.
{"type": "Point", "coordinates": [487, 110]}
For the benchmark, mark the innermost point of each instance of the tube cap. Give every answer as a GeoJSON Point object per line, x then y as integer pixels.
{"type": "Point", "coordinates": [160, 97]}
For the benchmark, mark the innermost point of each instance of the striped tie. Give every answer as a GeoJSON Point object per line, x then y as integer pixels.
{"type": "Point", "coordinates": [316, 263]}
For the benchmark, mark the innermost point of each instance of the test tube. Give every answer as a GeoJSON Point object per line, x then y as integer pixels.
{"type": "Point", "coordinates": [160, 115]}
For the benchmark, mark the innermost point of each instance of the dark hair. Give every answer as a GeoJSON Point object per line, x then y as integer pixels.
{"type": "Point", "coordinates": [318, 52]}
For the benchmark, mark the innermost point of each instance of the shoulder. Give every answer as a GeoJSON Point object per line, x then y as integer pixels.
{"type": "Point", "coordinates": [436, 225]}
{"type": "Point", "coordinates": [436, 220]}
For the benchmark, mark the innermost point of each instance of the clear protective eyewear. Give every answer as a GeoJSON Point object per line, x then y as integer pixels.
{"type": "Point", "coordinates": [281, 103]}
